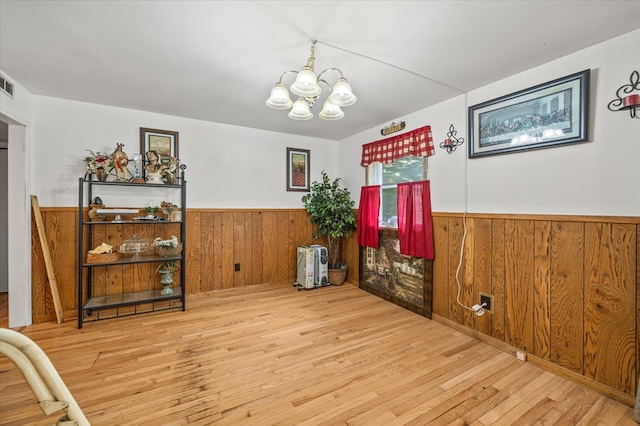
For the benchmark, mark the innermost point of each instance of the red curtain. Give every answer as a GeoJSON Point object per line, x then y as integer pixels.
{"type": "Point", "coordinates": [418, 143]}
{"type": "Point", "coordinates": [368, 216]}
{"type": "Point", "coordinates": [415, 226]}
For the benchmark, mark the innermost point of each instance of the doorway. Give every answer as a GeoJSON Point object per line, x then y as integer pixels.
{"type": "Point", "coordinates": [4, 224]}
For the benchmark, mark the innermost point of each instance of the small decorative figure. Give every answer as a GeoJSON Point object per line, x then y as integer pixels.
{"type": "Point", "coordinates": [96, 204]}
{"type": "Point", "coordinates": [120, 160]}
{"type": "Point", "coordinates": [155, 168]}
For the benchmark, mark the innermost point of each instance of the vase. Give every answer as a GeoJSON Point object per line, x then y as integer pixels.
{"type": "Point", "coordinates": [166, 279]}
{"type": "Point", "coordinates": [101, 174]}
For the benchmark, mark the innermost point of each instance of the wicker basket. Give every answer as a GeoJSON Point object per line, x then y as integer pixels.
{"type": "Point", "coordinates": [102, 257]}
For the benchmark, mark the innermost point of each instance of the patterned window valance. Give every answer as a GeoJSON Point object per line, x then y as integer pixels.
{"type": "Point", "coordinates": [418, 143]}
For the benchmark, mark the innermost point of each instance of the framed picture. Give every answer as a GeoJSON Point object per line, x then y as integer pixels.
{"type": "Point", "coordinates": [548, 115]}
{"type": "Point", "coordinates": [298, 169]}
{"type": "Point", "coordinates": [163, 141]}
{"type": "Point", "coordinates": [403, 280]}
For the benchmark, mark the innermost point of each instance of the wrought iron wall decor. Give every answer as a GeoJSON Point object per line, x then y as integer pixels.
{"type": "Point", "coordinates": [626, 99]}
{"type": "Point", "coordinates": [451, 142]}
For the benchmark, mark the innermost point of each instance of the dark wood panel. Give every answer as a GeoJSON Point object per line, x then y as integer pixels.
{"type": "Point", "coordinates": [240, 242]}
{"type": "Point", "coordinates": [519, 283]}
{"type": "Point", "coordinates": [498, 279]}
{"type": "Point", "coordinates": [482, 270]}
{"type": "Point", "coordinates": [269, 246]}
{"type": "Point", "coordinates": [455, 241]}
{"type": "Point", "coordinates": [227, 249]}
{"type": "Point", "coordinates": [200, 252]}
{"type": "Point", "coordinates": [567, 295]}
{"type": "Point", "coordinates": [541, 289]}
{"type": "Point", "coordinates": [466, 275]}
{"type": "Point", "coordinates": [610, 272]}
{"type": "Point", "coordinates": [257, 261]}
{"type": "Point", "coordinates": [441, 266]}
{"type": "Point", "coordinates": [218, 243]}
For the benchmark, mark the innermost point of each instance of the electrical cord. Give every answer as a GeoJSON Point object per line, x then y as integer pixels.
{"type": "Point", "coordinates": [477, 309]}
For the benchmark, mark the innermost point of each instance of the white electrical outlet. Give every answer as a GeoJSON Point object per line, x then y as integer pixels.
{"type": "Point", "coordinates": [522, 356]}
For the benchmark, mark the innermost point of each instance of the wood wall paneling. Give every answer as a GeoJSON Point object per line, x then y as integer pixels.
{"type": "Point", "coordinates": [563, 288]}
{"type": "Point", "coordinates": [567, 296]}
{"type": "Point", "coordinates": [498, 318]}
{"type": "Point", "coordinates": [541, 289]}
{"type": "Point", "coordinates": [519, 283]}
{"type": "Point", "coordinates": [456, 230]}
{"type": "Point", "coordinates": [441, 266]}
{"type": "Point", "coordinates": [482, 271]}
{"type": "Point", "coordinates": [610, 271]}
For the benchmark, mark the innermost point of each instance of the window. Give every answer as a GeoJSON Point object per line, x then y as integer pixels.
{"type": "Point", "coordinates": [405, 169]}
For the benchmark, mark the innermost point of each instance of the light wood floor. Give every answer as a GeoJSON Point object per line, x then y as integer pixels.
{"type": "Point", "coordinates": [334, 355]}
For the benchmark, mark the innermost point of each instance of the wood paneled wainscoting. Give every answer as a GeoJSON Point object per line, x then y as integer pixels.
{"type": "Point", "coordinates": [564, 288]}
{"type": "Point", "coordinates": [262, 242]}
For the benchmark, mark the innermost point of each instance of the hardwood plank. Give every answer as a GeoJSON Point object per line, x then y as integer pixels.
{"type": "Point", "coordinates": [335, 355]}
{"type": "Point", "coordinates": [498, 318]}
{"type": "Point", "coordinates": [609, 304]}
{"type": "Point", "coordinates": [519, 283]}
{"type": "Point", "coordinates": [200, 256]}
{"type": "Point", "coordinates": [567, 295]}
{"type": "Point", "coordinates": [441, 266]}
{"type": "Point", "coordinates": [239, 242]}
{"type": "Point", "coordinates": [455, 242]}
{"type": "Point", "coordinates": [227, 249]}
{"type": "Point", "coordinates": [482, 271]}
{"type": "Point", "coordinates": [542, 290]}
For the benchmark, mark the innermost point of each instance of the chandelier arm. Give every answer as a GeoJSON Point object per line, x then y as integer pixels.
{"type": "Point", "coordinates": [325, 82]}
{"type": "Point", "coordinates": [285, 73]}
{"type": "Point", "coordinates": [331, 69]}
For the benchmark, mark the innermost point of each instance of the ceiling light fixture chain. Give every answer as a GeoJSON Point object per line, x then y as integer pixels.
{"type": "Point", "coordinates": [307, 89]}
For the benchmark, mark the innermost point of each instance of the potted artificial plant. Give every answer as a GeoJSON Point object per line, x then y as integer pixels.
{"type": "Point", "coordinates": [331, 209]}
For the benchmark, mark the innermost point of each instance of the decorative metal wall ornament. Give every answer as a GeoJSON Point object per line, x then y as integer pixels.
{"type": "Point", "coordinates": [392, 128]}
{"type": "Point", "coordinates": [627, 100]}
{"type": "Point", "coordinates": [452, 142]}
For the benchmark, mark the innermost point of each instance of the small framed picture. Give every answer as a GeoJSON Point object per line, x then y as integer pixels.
{"type": "Point", "coordinates": [298, 169]}
{"type": "Point", "coordinates": [165, 142]}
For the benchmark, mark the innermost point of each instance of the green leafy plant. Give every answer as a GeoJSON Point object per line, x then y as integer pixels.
{"type": "Point", "coordinates": [150, 209]}
{"type": "Point", "coordinates": [331, 209]}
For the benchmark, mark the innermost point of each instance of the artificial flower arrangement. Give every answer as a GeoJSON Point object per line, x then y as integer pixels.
{"type": "Point", "coordinates": [169, 267]}
{"type": "Point", "coordinates": [171, 242]}
{"type": "Point", "coordinates": [98, 160]}
{"type": "Point", "coordinates": [167, 248]}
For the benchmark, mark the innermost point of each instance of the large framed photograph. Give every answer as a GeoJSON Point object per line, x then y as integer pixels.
{"type": "Point", "coordinates": [163, 141]}
{"type": "Point", "coordinates": [298, 169]}
{"type": "Point", "coordinates": [548, 115]}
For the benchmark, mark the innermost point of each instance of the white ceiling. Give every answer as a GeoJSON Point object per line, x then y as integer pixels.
{"type": "Point", "coordinates": [218, 60]}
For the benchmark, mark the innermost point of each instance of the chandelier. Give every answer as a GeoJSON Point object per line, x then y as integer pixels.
{"type": "Point", "coordinates": [307, 89]}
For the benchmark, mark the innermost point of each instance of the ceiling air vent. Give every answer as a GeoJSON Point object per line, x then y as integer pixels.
{"type": "Point", "coordinates": [6, 86]}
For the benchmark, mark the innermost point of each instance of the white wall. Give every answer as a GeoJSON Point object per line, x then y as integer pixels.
{"type": "Point", "coordinates": [227, 166]}
{"type": "Point", "coordinates": [599, 177]}
{"type": "Point", "coordinates": [16, 112]}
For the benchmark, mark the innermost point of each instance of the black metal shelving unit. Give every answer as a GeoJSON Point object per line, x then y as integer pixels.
{"type": "Point", "coordinates": [90, 306]}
